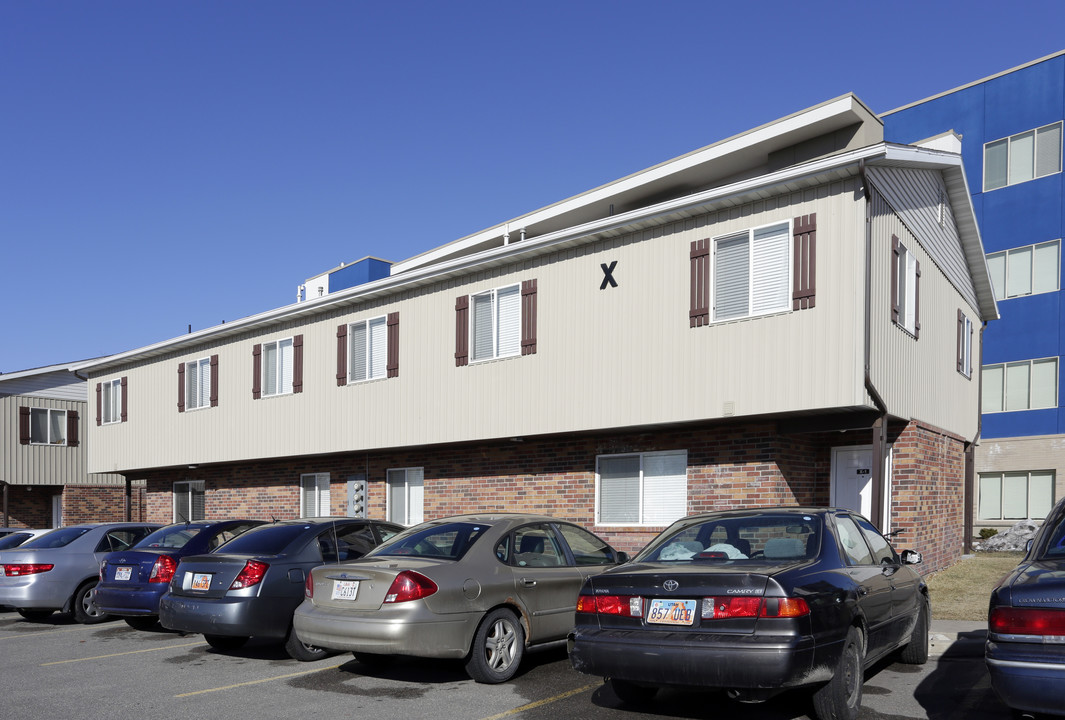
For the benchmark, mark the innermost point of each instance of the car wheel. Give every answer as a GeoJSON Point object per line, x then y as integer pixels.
{"type": "Point", "coordinates": [916, 652]}
{"type": "Point", "coordinates": [841, 697]}
{"type": "Point", "coordinates": [142, 623]}
{"type": "Point", "coordinates": [85, 610]}
{"type": "Point", "coordinates": [628, 692]}
{"type": "Point", "coordinates": [36, 615]}
{"type": "Point", "coordinates": [498, 646]}
{"type": "Point", "coordinates": [298, 650]}
{"type": "Point", "coordinates": [225, 642]}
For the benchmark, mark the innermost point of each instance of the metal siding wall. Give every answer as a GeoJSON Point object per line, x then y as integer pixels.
{"type": "Point", "coordinates": [606, 358]}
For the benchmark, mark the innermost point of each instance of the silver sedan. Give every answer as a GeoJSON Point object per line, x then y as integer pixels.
{"type": "Point", "coordinates": [480, 588]}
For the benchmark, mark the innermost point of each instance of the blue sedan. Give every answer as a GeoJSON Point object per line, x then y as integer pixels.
{"type": "Point", "coordinates": [132, 581]}
{"type": "Point", "coordinates": [1025, 650]}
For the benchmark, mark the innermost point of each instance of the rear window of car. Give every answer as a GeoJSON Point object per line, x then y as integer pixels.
{"type": "Point", "coordinates": [750, 540]}
{"type": "Point", "coordinates": [265, 539]}
{"type": "Point", "coordinates": [13, 540]}
{"type": "Point", "coordinates": [446, 540]}
{"type": "Point", "coordinates": [1056, 543]}
{"type": "Point", "coordinates": [56, 538]}
{"type": "Point", "coordinates": [171, 536]}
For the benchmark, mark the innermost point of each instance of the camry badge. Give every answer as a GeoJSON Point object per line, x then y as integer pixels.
{"type": "Point", "coordinates": [671, 585]}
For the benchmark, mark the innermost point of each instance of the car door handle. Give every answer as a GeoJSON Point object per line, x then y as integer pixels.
{"type": "Point", "coordinates": [863, 590]}
{"type": "Point", "coordinates": [528, 582]}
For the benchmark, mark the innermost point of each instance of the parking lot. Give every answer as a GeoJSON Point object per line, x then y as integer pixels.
{"type": "Point", "coordinates": [61, 669]}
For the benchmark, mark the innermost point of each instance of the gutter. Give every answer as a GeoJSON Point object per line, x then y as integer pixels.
{"type": "Point", "coordinates": [969, 488]}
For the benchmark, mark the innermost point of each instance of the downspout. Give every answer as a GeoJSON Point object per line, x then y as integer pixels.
{"type": "Point", "coordinates": [969, 490]}
{"type": "Point", "coordinates": [880, 425]}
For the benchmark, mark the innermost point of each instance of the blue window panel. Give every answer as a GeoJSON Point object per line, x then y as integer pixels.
{"type": "Point", "coordinates": [1021, 424]}
{"type": "Point", "coordinates": [1030, 212]}
{"type": "Point", "coordinates": [1028, 327]}
{"type": "Point", "coordinates": [1024, 99]}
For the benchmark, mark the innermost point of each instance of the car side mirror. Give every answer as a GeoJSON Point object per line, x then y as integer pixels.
{"type": "Point", "coordinates": [911, 557]}
{"type": "Point", "coordinates": [623, 557]}
{"type": "Point", "coordinates": [1028, 545]}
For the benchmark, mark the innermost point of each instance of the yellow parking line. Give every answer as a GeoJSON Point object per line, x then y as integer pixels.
{"type": "Point", "coordinates": [257, 682]}
{"type": "Point", "coordinates": [130, 652]}
{"type": "Point", "coordinates": [545, 701]}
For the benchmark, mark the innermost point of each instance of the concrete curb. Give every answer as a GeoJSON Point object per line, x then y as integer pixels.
{"type": "Point", "coordinates": [956, 638]}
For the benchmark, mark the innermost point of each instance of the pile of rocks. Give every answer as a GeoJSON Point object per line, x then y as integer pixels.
{"type": "Point", "coordinates": [1016, 538]}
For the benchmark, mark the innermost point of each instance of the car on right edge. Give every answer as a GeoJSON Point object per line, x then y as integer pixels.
{"type": "Point", "coordinates": [754, 602]}
{"type": "Point", "coordinates": [1025, 650]}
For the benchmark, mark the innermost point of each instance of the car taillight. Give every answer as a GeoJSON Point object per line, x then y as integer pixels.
{"type": "Point", "coordinates": [624, 605]}
{"type": "Point", "coordinates": [163, 570]}
{"type": "Point", "coordinates": [308, 587]}
{"type": "Point", "coordinates": [724, 608]}
{"type": "Point", "coordinates": [408, 586]}
{"type": "Point", "coordinates": [17, 569]}
{"type": "Point", "coordinates": [1027, 621]}
{"type": "Point", "coordinates": [252, 574]}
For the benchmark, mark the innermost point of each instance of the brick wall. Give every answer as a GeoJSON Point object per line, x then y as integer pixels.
{"type": "Point", "coordinates": [102, 503]}
{"type": "Point", "coordinates": [29, 506]}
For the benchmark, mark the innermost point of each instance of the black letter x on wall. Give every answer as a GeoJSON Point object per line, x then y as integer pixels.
{"type": "Point", "coordinates": [608, 275]}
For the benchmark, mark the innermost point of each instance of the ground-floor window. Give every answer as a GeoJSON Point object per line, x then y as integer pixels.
{"type": "Point", "coordinates": [641, 488]}
{"type": "Point", "coordinates": [405, 495]}
{"type": "Point", "coordinates": [188, 501]}
{"type": "Point", "coordinates": [314, 495]}
{"type": "Point", "coordinates": [1016, 495]}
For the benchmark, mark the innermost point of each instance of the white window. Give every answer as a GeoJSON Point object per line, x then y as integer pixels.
{"type": "Point", "coordinates": [314, 495]}
{"type": "Point", "coordinates": [48, 427]}
{"type": "Point", "coordinates": [406, 495]}
{"type": "Point", "coordinates": [112, 401]}
{"type": "Point", "coordinates": [1016, 495]}
{"type": "Point", "coordinates": [496, 328]}
{"type": "Point", "coordinates": [1024, 385]}
{"type": "Point", "coordinates": [1028, 270]}
{"type": "Point", "coordinates": [906, 292]}
{"type": "Point", "coordinates": [752, 272]}
{"type": "Point", "coordinates": [198, 384]}
{"type": "Point", "coordinates": [188, 501]}
{"type": "Point", "coordinates": [641, 488]}
{"type": "Point", "coordinates": [277, 367]}
{"type": "Point", "coordinates": [965, 345]}
{"type": "Point", "coordinates": [367, 349]}
{"type": "Point", "coordinates": [1022, 157]}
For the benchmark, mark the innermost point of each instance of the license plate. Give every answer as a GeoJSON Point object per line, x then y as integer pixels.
{"type": "Point", "coordinates": [345, 589]}
{"type": "Point", "coordinates": [671, 612]}
{"type": "Point", "coordinates": [123, 572]}
{"type": "Point", "coordinates": [201, 581]}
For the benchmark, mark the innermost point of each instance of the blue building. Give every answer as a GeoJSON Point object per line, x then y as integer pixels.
{"type": "Point", "coordinates": [1011, 130]}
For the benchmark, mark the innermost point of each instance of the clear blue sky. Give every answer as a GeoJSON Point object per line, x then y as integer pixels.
{"type": "Point", "coordinates": [166, 164]}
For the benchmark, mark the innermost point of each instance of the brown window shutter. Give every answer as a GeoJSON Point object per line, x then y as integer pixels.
{"type": "Point", "coordinates": [181, 387]}
{"type": "Point", "coordinates": [342, 355]}
{"type": "Point", "coordinates": [99, 405]}
{"type": "Point", "coordinates": [528, 317]}
{"type": "Point", "coordinates": [214, 381]}
{"type": "Point", "coordinates": [699, 313]}
{"type": "Point", "coordinates": [972, 329]}
{"type": "Point", "coordinates": [297, 364]}
{"type": "Point", "coordinates": [462, 330]}
{"type": "Point", "coordinates": [804, 265]}
{"type": "Point", "coordinates": [895, 279]}
{"type": "Point", "coordinates": [125, 399]}
{"type": "Point", "coordinates": [393, 345]}
{"type": "Point", "coordinates": [961, 341]}
{"type": "Point", "coordinates": [256, 372]}
{"type": "Point", "coordinates": [917, 302]}
{"type": "Point", "coordinates": [72, 428]}
{"type": "Point", "coordinates": [24, 425]}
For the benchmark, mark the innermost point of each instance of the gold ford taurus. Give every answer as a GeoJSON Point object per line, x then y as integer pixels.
{"type": "Point", "coordinates": [480, 588]}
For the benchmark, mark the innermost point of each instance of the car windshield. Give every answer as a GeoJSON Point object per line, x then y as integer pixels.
{"type": "Point", "coordinates": [171, 536]}
{"type": "Point", "coordinates": [747, 540]}
{"type": "Point", "coordinates": [13, 540]}
{"type": "Point", "coordinates": [1056, 544]}
{"type": "Point", "coordinates": [56, 538]}
{"type": "Point", "coordinates": [265, 539]}
{"type": "Point", "coordinates": [448, 540]}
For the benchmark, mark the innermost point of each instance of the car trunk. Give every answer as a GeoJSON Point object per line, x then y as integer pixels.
{"type": "Point", "coordinates": [209, 575]}
{"type": "Point", "coordinates": [131, 566]}
{"type": "Point", "coordinates": [362, 585]}
{"type": "Point", "coordinates": [1041, 584]}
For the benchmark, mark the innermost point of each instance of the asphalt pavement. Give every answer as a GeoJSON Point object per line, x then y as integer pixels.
{"type": "Point", "coordinates": [957, 638]}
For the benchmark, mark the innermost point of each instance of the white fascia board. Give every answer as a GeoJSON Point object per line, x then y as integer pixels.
{"type": "Point", "coordinates": [35, 371]}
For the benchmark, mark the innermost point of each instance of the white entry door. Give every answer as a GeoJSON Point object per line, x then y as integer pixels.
{"type": "Point", "coordinates": [57, 510]}
{"type": "Point", "coordinates": [852, 478]}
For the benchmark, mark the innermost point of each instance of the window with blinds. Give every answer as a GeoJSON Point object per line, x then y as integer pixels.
{"type": "Point", "coordinates": [406, 495]}
{"type": "Point", "coordinates": [752, 272]}
{"type": "Point", "coordinates": [641, 488]}
{"type": "Point", "coordinates": [1023, 385]}
{"type": "Point", "coordinates": [198, 384]}
{"type": "Point", "coordinates": [496, 323]}
{"type": "Point", "coordinates": [111, 393]}
{"type": "Point", "coordinates": [1016, 495]}
{"type": "Point", "coordinates": [367, 349]}
{"type": "Point", "coordinates": [277, 367]}
{"type": "Point", "coordinates": [1028, 270]}
{"type": "Point", "coordinates": [1022, 157]}
{"type": "Point", "coordinates": [189, 501]}
{"type": "Point", "coordinates": [314, 495]}
{"type": "Point", "coordinates": [48, 426]}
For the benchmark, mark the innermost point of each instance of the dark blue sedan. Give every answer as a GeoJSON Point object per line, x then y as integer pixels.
{"type": "Point", "coordinates": [133, 580]}
{"type": "Point", "coordinates": [1025, 649]}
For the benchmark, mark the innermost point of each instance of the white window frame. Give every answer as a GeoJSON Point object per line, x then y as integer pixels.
{"type": "Point", "coordinates": [198, 384]}
{"type": "Point", "coordinates": [187, 490]}
{"type": "Point", "coordinates": [1003, 405]}
{"type": "Point", "coordinates": [1033, 510]}
{"type": "Point", "coordinates": [375, 352]}
{"type": "Point", "coordinates": [499, 323]}
{"type": "Point", "coordinates": [1024, 262]}
{"type": "Point", "coordinates": [411, 482]}
{"type": "Point", "coordinates": [282, 347]}
{"type": "Point", "coordinates": [1038, 135]}
{"type": "Point", "coordinates": [966, 347]}
{"type": "Point", "coordinates": [62, 428]}
{"type": "Point", "coordinates": [317, 486]}
{"type": "Point", "coordinates": [906, 293]}
{"type": "Point", "coordinates": [768, 269]}
{"type": "Point", "coordinates": [644, 509]}
{"type": "Point", "coordinates": [111, 400]}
